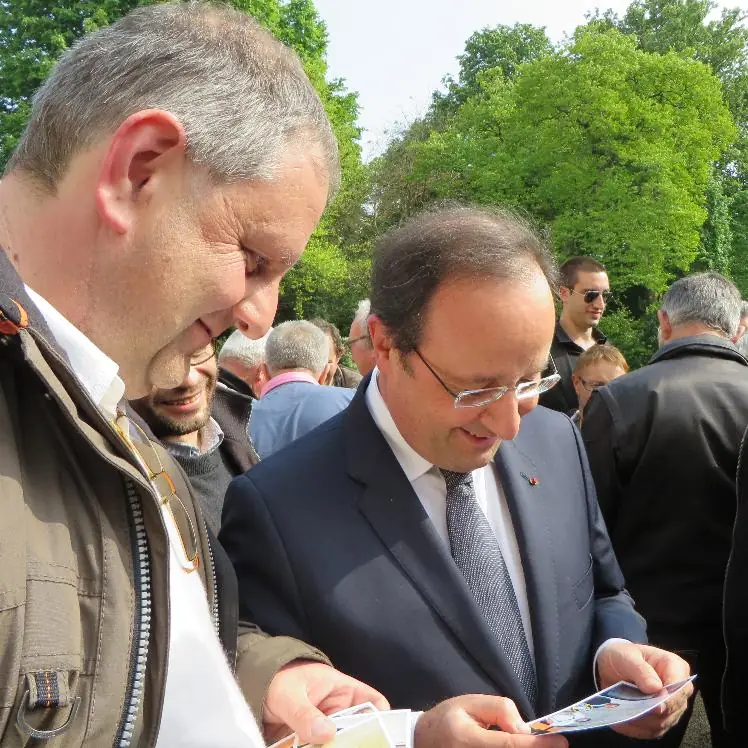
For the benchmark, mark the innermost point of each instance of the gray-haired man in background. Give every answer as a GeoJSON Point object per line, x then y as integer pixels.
{"type": "Point", "coordinates": [293, 401]}
{"type": "Point", "coordinates": [240, 364]}
{"type": "Point", "coordinates": [663, 447]}
{"type": "Point", "coordinates": [359, 340]}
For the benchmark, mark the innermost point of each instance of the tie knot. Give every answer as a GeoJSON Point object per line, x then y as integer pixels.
{"type": "Point", "coordinates": [456, 480]}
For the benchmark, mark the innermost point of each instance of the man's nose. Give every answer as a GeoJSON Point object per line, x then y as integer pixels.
{"type": "Point", "coordinates": [502, 417]}
{"type": "Point", "coordinates": [255, 313]}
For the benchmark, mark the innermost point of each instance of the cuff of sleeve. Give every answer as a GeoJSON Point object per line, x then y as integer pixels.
{"type": "Point", "coordinates": [259, 658]}
{"type": "Point", "coordinates": [599, 652]}
{"type": "Point", "coordinates": [414, 717]}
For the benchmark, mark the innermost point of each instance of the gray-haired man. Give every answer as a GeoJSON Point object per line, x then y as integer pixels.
{"type": "Point", "coordinates": [240, 363]}
{"type": "Point", "coordinates": [293, 401]}
{"type": "Point", "coordinates": [663, 446]}
{"type": "Point", "coordinates": [173, 168]}
{"type": "Point", "coordinates": [359, 340]}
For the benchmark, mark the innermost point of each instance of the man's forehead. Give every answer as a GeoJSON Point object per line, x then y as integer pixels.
{"type": "Point", "coordinates": [592, 279]}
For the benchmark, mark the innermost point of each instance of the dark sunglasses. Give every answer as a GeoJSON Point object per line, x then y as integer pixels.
{"type": "Point", "coordinates": [590, 295]}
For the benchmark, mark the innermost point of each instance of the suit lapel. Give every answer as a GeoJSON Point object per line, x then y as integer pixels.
{"type": "Point", "coordinates": [392, 508]}
{"type": "Point", "coordinates": [528, 493]}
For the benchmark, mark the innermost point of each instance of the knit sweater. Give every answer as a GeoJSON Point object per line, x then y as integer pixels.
{"type": "Point", "coordinates": [210, 477]}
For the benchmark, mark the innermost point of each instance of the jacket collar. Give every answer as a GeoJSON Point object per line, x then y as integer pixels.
{"type": "Point", "coordinates": [699, 345]}
{"type": "Point", "coordinates": [563, 337]}
{"type": "Point", "coordinates": [12, 290]}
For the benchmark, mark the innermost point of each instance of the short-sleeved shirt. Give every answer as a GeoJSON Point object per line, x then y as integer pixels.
{"type": "Point", "coordinates": [565, 354]}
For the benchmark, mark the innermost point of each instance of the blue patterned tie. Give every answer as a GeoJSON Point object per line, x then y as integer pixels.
{"type": "Point", "coordinates": [478, 556]}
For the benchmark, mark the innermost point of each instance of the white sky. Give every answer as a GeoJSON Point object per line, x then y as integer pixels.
{"type": "Point", "coordinates": [395, 52]}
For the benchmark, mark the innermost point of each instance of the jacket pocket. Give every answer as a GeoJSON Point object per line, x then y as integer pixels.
{"type": "Point", "coordinates": [584, 589]}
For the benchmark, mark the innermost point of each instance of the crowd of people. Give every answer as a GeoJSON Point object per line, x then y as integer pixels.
{"type": "Point", "coordinates": [486, 520]}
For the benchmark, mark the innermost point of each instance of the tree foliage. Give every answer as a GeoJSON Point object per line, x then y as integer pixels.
{"type": "Point", "coordinates": [609, 146]}
{"type": "Point", "coordinates": [625, 142]}
{"type": "Point", "coordinates": [501, 50]}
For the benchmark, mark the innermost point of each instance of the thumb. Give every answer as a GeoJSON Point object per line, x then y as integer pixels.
{"type": "Point", "coordinates": [639, 672]}
{"type": "Point", "coordinates": [497, 711]}
{"type": "Point", "coordinates": [311, 725]}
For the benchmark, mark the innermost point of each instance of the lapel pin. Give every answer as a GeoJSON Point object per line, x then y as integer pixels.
{"type": "Point", "coordinates": [531, 479]}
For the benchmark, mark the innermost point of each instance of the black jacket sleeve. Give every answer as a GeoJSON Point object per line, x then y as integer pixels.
{"type": "Point", "coordinates": [598, 433]}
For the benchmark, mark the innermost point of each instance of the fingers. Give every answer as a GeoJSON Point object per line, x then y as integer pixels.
{"type": "Point", "coordinates": [628, 662]}
{"type": "Point", "coordinates": [494, 711]}
{"type": "Point", "coordinates": [366, 693]}
{"type": "Point", "coordinates": [669, 666]}
{"type": "Point", "coordinates": [467, 722]}
{"type": "Point", "coordinates": [311, 725]}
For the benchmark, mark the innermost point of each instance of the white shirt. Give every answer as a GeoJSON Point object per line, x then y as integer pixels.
{"type": "Point", "coordinates": [203, 705]}
{"type": "Point", "coordinates": [211, 438]}
{"type": "Point", "coordinates": [428, 484]}
{"type": "Point", "coordinates": [96, 371]}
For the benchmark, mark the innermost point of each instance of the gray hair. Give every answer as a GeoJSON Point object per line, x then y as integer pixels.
{"type": "Point", "coordinates": [296, 345]}
{"type": "Point", "coordinates": [744, 310]}
{"type": "Point", "coordinates": [242, 350]}
{"type": "Point", "coordinates": [240, 94]}
{"type": "Point", "coordinates": [363, 310]}
{"type": "Point", "coordinates": [706, 298]}
{"type": "Point", "coordinates": [460, 243]}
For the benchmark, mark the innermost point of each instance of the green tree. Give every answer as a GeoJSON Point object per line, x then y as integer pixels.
{"type": "Point", "coordinates": [501, 49]}
{"type": "Point", "coordinates": [608, 145]}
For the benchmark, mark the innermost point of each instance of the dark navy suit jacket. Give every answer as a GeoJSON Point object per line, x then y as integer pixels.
{"type": "Point", "coordinates": [331, 545]}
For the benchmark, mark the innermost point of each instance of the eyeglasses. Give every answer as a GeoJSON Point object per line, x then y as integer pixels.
{"type": "Point", "coordinates": [203, 355]}
{"type": "Point", "coordinates": [351, 341]}
{"type": "Point", "coordinates": [591, 386]}
{"type": "Point", "coordinates": [479, 398]}
{"type": "Point", "coordinates": [163, 485]}
{"type": "Point", "coordinates": [591, 294]}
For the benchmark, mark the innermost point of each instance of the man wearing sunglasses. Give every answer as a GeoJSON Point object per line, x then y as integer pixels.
{"type": "Point", "coordinates": [441, 536]}
{"type": "Point", "coordinates": [584, 291]}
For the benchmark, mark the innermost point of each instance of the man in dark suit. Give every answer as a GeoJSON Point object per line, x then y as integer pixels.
{"type": "Point", "coordinates": [663, 445]}
{"type": "Point", "coordinates": [413, 537]}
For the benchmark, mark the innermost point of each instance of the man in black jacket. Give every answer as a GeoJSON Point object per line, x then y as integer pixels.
{"type": "Point", "coordinates": [663, 446]}
{"type": "Point", "coordinates": [584, 290]}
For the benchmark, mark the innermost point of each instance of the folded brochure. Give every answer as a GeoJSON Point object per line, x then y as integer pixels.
{"type": "Point", "coordinates": [619, 703]}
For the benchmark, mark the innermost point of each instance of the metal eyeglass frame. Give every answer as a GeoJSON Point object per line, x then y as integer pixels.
{"type": "Point", "coordinates": [522, 391]}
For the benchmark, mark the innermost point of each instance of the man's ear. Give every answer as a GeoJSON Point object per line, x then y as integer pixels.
{"type": "Point", "coordinates": [576, 381]}
{"type": "Point", "coordinates": [666, 328]}
{"type": "Point", "coordinates": [381, 341]}
{"type": "Point", "coordinates": [564, 294]}
{"type": "Point", "coordinates": [324, 375]}
{"type": "Point", "coordinates": [144, 145]}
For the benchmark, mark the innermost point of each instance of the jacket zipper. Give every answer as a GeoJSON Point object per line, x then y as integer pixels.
{"type": "Point", "coordinates": [729, 560]}
{"type": "Point", "coordinates": [214, 606]}
{"type": "Point", "coordinates": [142, 621]}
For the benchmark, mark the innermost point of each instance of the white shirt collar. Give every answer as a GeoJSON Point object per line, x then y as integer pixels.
{"type": "Point", "coordinates": [96, 371]}
{"type": "Point", "coordinates": [413, 465]}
